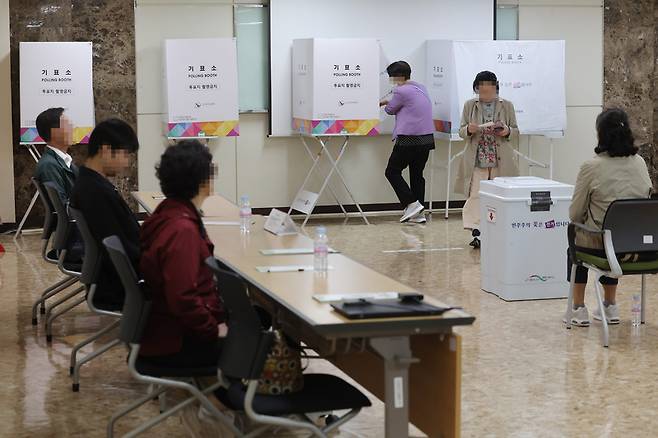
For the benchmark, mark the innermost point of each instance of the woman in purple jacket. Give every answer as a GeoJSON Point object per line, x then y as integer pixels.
{"type": "Point", "coordinates": [413, 137]}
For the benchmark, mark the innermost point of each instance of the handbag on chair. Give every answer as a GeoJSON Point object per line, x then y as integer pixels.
{"type": "Point", "coordinates": [282, 372]}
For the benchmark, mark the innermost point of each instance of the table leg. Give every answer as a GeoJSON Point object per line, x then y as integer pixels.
{"type": "Point", "coordinates": [434, 382]}
{"type": "Point", "coordinates": [397, 359]}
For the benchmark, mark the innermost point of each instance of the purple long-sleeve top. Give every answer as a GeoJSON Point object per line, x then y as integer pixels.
{"type": "Point", "coordinates": [412, 108]}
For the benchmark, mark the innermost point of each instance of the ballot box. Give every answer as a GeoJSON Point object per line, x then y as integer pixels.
{"type": "Point", "coordinates": [523, 221]}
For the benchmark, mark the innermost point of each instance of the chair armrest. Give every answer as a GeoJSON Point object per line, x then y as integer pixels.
{"type": "Point", "coordinates": [615, 269]}
{"type": "Point", "coordinates": [571, 236]}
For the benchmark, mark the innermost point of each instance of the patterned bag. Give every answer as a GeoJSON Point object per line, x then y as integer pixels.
{"type": "Point", "coordinates": [282, 373]}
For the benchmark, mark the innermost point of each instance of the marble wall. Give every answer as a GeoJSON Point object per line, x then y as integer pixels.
{"type": "Point", "coordinates": [631, 70]}
{"type": "Point", "coordinates": [110, 25]}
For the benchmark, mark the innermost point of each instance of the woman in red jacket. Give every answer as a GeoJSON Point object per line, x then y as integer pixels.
{"type": "Point", "coordinates": [183, 328]}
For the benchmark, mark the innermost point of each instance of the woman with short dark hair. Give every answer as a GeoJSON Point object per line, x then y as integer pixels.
{"type": "Point", "coordinates": [183, 327]}
{"type": "Point", "coordinates": [414, 138]}
{"type": "Point", "coordinates": [617, 172]}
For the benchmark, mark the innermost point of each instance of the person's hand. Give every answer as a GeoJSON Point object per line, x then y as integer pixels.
{"type": "Point", "coordinates": [383, 103]}
{"type": "Point", "coordinates": [473, 128]}
{"type": "Point", "coordinates": [502, 131]}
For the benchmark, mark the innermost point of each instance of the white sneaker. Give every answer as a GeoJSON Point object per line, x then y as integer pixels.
{"type": "Point", "coordinates": [611, 313]}
{"type": "Point", "coordinates": [412, 210]}
{"type": "Point", "coordinates": [579, 317]}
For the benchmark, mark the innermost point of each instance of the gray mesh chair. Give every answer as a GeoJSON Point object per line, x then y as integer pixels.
{"type": "Point", "coordinates": [90, 268]}
{"type": "Point", "coordinates": [243, 355]}
{"type": "Point", "coordinates": [136, 311]}
{"type": "Point", "coordinates": [62, 232]}
{"type": "Point", "coordinates": [629, 226]}
{"type": "Point", "coordinates": [49, 227]}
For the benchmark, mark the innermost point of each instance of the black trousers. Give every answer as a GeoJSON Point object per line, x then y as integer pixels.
{"type": "Point", "coordinates": [416, 158]}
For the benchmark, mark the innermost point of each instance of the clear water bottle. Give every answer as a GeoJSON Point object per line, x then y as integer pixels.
{"type": "Point", "coordinates": [636, 310]}
{"type": "Point", "coordinates": [321, 250]}
{"type": "Point", "coordinates": [245, 214]}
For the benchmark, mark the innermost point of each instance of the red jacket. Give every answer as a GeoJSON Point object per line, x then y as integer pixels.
{"type": "Point", "coordinates": [186, 301]}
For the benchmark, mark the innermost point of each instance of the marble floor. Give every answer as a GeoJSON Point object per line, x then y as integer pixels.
{"type": "Point", "coordinates": [524, 375]}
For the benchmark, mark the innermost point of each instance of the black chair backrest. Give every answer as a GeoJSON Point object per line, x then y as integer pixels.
{"type": "Point", "coordinates": [247, 345]}
{"type": "Point", "coordinates": [137, 303]}
{"type": "Point", "coordinates": [91, 262]}
{"type": "Point", "coordinates": [633, 224]}
{"type": "Point", "coordinates": [50, 218]}
{"type": "Point", "coordinates": [63, 222]}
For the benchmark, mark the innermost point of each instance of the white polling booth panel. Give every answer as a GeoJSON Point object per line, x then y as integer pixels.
{"type": "Point", "coordinates": [201, 88]}
{"type": "Point", "coordinates": [524, 222]}
{"type": "Point", "coordinates": [531, 74]}
{"type": "Point", "coordinates": [335, 86]}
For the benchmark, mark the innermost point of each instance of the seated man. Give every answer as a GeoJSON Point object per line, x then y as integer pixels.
{"type": "Point", "coordinates": [183, 327]}
{"type": "Point", "coordinates": [56, 165]}
{"type": "Point", "coordinates": [101, 204]}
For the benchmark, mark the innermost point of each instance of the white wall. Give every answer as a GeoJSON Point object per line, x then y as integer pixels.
{"type": "Point", "coordinates": [7, 201]}
{"type": "Point", "coordinates": [271, 170]}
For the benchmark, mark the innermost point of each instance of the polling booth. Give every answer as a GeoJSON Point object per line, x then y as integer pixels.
{"type": "Point", "coordinates": [335, 88]}
{"type": "Point", "coordinates": [201, 88]}
{"type": "Point", "coordinates": [335, 93]}
{"type": "Point", "coordinates": [524, 222]}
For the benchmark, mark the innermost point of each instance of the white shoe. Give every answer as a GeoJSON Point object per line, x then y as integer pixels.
{"type": "Point", "coordinates": [611, 314]}
{"type": "Point", "coordinates": [418, 219]}
{"type": "Point", "coordinates": [579, 317]}
{"type": "Point", "coordinates": [412, 210]}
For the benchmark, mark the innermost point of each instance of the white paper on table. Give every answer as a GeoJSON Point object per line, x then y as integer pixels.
{"type": "Point", "coordinates": [333, 298]}
{"type": "Point", "coordinates": [287, 268]}
{"type": "Point", "coordinates": [291, 251]}
{"type": "Point", "coordinates": [210, 222]}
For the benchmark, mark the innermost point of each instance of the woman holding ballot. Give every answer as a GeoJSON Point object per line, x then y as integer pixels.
{"type": "Point", "coordinates": [488, 126]}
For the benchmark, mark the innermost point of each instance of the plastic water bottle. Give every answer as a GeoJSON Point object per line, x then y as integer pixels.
{"type": "Point", "coordinates": [245, 214]}
{"type": "Point", "coordinates": [321, 250]}
{"type": "Point", "coordinates": [636, 310]}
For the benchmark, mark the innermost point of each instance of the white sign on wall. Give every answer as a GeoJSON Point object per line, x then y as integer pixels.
{"type": "Point", "coordinates": [335, 86]}
{"type": "Point", "coordinates": [201, 91]}
{"type": "Point", "coordinates": [530, 73]}
{"type": "Point", "coordinates": [56, 75]}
